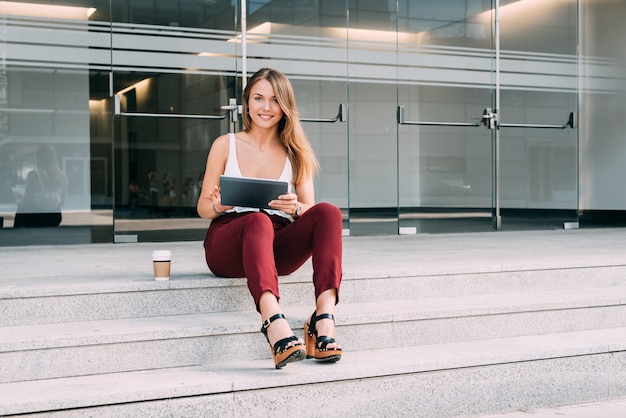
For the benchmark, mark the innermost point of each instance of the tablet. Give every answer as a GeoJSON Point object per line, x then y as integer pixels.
{"type": "Point", "coordinates": [250, 192]}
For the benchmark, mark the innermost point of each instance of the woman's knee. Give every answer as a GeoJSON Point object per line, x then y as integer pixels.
{"type": "Point", "coordinates": [328, 211]}
{"type": "Point", "coordinates": [258, 222]}
{"type": "Point", "coordinates": [258, 218]}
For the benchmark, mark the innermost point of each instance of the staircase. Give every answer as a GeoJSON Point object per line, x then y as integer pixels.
{"type": "Point", "coordinates": [431, 326]}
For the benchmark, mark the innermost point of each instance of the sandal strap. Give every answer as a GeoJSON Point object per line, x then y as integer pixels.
{"type": "Point", "coordinates": [268, 321]}
{"type": "Point", "coordinates": [281, 345]}
{"type": "Point", "coordinates": [323, 341]}
{"type": "Point", "coordinates": [315, 318]}
{"type": "Point", "coordinates": [320, 339]}
{"type": "Point", "coordinates": [325, 316]}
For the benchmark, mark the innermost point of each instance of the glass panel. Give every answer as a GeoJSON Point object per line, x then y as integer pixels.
{"type": "Point", "coordinates": [602, 121]}
{"type": "Point", "coordinates": [174, 67]}
{"type": "Point", "coordinates": [373, 142]}
{"type": "Point", "coordinates": [445, 82]}
{"type": "Point", "coordinates": [539, 86]}
{"type": "Point", "coordinates": [307, 42]}
{"type": "Point", "coordinates": [53, 116]}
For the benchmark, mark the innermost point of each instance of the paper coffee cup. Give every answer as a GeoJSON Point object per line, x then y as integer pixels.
{"type": "Point", "coordinates": [161, 262]}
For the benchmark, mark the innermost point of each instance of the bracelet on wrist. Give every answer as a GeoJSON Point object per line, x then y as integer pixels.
{"type": "Point", "coordinates": [217, 211]}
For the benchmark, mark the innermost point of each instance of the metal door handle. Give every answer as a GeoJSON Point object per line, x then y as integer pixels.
{"type": "Point", "coordinates": [571, 123]}
{"type": "Point", "coordinates": [118, 112]}
{"type": "Point", "coordinates": [490, 120]}
{"type": "Point", "coordinates": [341, 116]}
{"type": "Point", "coordinates": [402, 121]}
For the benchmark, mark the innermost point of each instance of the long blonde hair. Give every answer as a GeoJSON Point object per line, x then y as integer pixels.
{"type": "Point", "coordinates": [290, 130]}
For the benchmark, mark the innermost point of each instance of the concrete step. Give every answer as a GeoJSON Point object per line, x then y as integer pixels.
{"type": "Point", "coordinates": [103, 298]}
{"type": "Point", "coordinates": [454, 325]}
{"type": "Point", "coordinates": [457, 379]}
{"type": "Point", "coordinates": [44, 351]}
{"type": "Point", "coordinates": [50, 284]}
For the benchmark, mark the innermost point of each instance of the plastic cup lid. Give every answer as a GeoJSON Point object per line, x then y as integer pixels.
{"type": "Point", "coordinates": [162, 255]}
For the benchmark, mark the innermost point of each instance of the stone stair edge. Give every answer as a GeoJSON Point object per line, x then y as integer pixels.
{"type": "Point", "coordinates": [209, 280]}
{"type": "Point", "coordinates": [157, 384]}
{"type": "Point", "coordinates": [123, 330]}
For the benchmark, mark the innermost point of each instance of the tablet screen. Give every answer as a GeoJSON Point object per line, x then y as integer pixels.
{"type": "Point", "coordinates": [250, 192]}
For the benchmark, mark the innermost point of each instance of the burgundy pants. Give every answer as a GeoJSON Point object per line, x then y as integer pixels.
{"type": "Point", "coordinates": [261, 247]}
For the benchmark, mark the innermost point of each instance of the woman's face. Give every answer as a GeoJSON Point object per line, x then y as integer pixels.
{"type": "Point", "coordinates": [263, 107]}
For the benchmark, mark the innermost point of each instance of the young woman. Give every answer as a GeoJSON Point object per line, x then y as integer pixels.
{"type": "Point", "coordinates": [263, 244]}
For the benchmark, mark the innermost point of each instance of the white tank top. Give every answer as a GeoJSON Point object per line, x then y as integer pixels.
{"type": "Point", "coordinates": [232, 169]}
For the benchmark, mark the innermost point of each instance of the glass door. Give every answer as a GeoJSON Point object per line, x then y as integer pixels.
{"type": "Point", "coordinates": [487, 99]}
{"type": "Point", "coordinates": [167, 117]}
{"type": "Point", "coordinates": [373, 149]}
{"type": "Point", "coordinates": [445, 96]}
{"type": "Point", "coordinates": [537, 102]}
{"type": "Point", "coordinates": [308, 44]}
{"type": "Point", "coordinates": [174, 88]}
{"type": "Point", "coordinates": [460, 116]}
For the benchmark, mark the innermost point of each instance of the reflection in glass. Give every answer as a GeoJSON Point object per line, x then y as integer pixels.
{"type": "Point", "coordinates": [174, 69]}
{"type": "Point", "coordinates": [41, 200]}
{"type": "Point", "coordinates": [46, 104]}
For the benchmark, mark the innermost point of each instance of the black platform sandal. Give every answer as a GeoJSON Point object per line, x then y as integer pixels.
{"type": "Point", "coordinates": [317, 346]}
{"type": "Point", "coordinates": [281, 352]}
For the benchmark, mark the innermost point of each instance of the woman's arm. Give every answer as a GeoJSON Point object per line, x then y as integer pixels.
{"type": "Point", "coordinates": [209, 203]}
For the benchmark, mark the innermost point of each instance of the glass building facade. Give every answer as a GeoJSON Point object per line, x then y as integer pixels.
{"type": "Point", "coordinates": [447, 116]}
